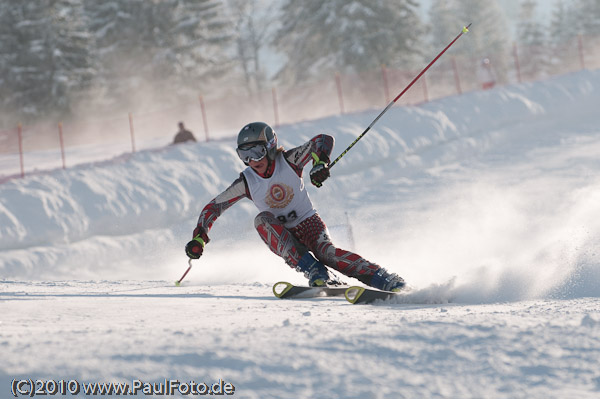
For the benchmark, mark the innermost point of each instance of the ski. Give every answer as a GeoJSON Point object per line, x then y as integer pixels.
{"type": "Point", "coordinates": [356, 295]}
{"type": "Point", "coordinates": [285, 290]}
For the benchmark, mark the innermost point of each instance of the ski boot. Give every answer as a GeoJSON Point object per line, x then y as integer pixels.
{"type": "Point", "coordinates": [314, 271]}
{"type": "Point", "coordinates": [385, 281]}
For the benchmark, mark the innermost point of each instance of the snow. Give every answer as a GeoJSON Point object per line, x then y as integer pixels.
{"type": "Point", "coordinates": [486, 203]}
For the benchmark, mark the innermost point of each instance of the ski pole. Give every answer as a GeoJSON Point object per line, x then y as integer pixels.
{"type": "Point", "coordinates": [464, 30]}
{"type": "Point", "coordinates": [178, 282]}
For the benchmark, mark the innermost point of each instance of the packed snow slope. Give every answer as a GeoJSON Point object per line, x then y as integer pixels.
{"type": "Point", "coordinates": [491, 188]}
{"type": "Point", "coordinates": [486, 203]}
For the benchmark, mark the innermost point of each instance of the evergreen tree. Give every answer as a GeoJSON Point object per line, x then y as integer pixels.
{"type": "Point", "coordinates": [9, 51]}
{"type": "Point", "coordinates": [534, 56]}
{"type": "Point", "coordinates": [319, 37]}
{"type": "Point", "coordinates": [443, 23]}
{"type": "Point", "coordinates": [158, 47]}
{"type": "Point", "coordinates": [563, 25]}
{"type": "Point", "coordinates": [202, 36]}
{"type": "Point", "coordinates": [564, 28]}
{"type": "Point", "coordinates": [588, 16]}
{"type": "Point", "coordinates": [489, 30]}
{"type": "Point", "coordinates": [489, 37]}
{"type": "Point", "coordinates": [46, 62]}
{"type": "Point", "coordinates": [251, 30]}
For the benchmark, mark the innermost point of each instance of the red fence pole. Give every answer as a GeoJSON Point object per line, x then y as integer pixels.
{"type": "Point", "coordinates": [204, 120]}
{"type": "Point", "coordinates": [456, 76]}
{"type": "Point", "coordinates": [425, 92]}
{"type": "Point", "coordinates": [517, 64]}
{"type": "Point", "coordinates": [20, 133]}
{"type": "Point", "coordinates": [338, 82]}
{"type": "Point", "coordinates": [386, 88]}
{"type": "Point", "coordinates": [62, 144]}
{"type": "Point", "coordinates": [275, 107]}
{"type": "Point", "coordinates": [580, 46]}
{"type": "Point", "coordinates": [131, 132]}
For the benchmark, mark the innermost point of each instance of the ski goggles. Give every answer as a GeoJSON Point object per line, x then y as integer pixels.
{"type": "Point", "coordinates": [251, 152]}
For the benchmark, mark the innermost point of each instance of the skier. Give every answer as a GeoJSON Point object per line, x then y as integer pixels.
{"type": "Point", "coordinates": [288, 222]}
{"type": "Point", "coordinates": [486, 74]}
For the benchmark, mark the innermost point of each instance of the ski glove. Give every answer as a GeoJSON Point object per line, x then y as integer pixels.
{"type": "Point", "coordinates": [320, 171]}
{"type": "Point", "coordinates": [194, 248]}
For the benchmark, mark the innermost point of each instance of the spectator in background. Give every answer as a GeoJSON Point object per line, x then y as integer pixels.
{"type": "Point", "coordinates": [183, 135]}
{"type": "Point", "coordinates": [486, 74]}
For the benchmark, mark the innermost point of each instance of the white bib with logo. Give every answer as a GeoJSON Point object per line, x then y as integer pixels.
{"type": "Point", "coordinates": [283, 194]}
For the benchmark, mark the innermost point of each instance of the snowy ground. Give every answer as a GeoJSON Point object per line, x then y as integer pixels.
{"type": "Point", "coordinates": [486, 203]}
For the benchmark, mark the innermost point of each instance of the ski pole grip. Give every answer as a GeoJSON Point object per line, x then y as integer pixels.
{"type": "Point", "coordinates": [199, 239]}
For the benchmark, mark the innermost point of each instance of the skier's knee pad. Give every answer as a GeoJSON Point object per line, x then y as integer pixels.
{"type": "Point", "coordinates": [279, 239]}
{"type": "Point", "coordinates": [265, 218]}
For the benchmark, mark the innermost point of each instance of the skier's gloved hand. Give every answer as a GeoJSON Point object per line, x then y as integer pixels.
{"type": "Point", "coordinates": [194, 248]}
{"type": "Point", "coordinates": [320, 170]}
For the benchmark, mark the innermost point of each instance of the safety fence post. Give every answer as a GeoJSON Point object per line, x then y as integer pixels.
{"type": "Point", "coordinates": [386, 88]}
{"type": "Point", "coordinates": [20, 133]}
{"type": "Point", "coordinates": [204, 120]}
{"type": "Point", "coordinates": [425, 91]}
{"type": "Point", "coordinates": [456, 76]}
{"type": "Point", "coordinates": [275, 107]}
{"type": "Point", "coordinates": [338, 82]}
{"type": "Point", "coordinates": [580, 47]}
{"type": "Point", "coordinates": [517, 63]}
{"type": "Point", "coordinates": [131, 132]}
{"type": "Point", "coordinates": [62, 144]}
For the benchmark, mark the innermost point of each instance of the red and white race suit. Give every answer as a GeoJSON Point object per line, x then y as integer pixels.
{"type": "Point", "coordinates": [288, 222]}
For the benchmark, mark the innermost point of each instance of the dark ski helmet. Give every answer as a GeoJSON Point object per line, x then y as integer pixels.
{"type": "Point", "coordinates": [261, 137]}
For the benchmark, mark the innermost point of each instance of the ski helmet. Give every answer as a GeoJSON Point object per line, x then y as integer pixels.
{"type": "Point", "coordinates": [261, 137]}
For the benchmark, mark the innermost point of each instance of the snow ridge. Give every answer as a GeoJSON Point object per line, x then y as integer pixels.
{"type": "Point", "coordinates": [481, 163]}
